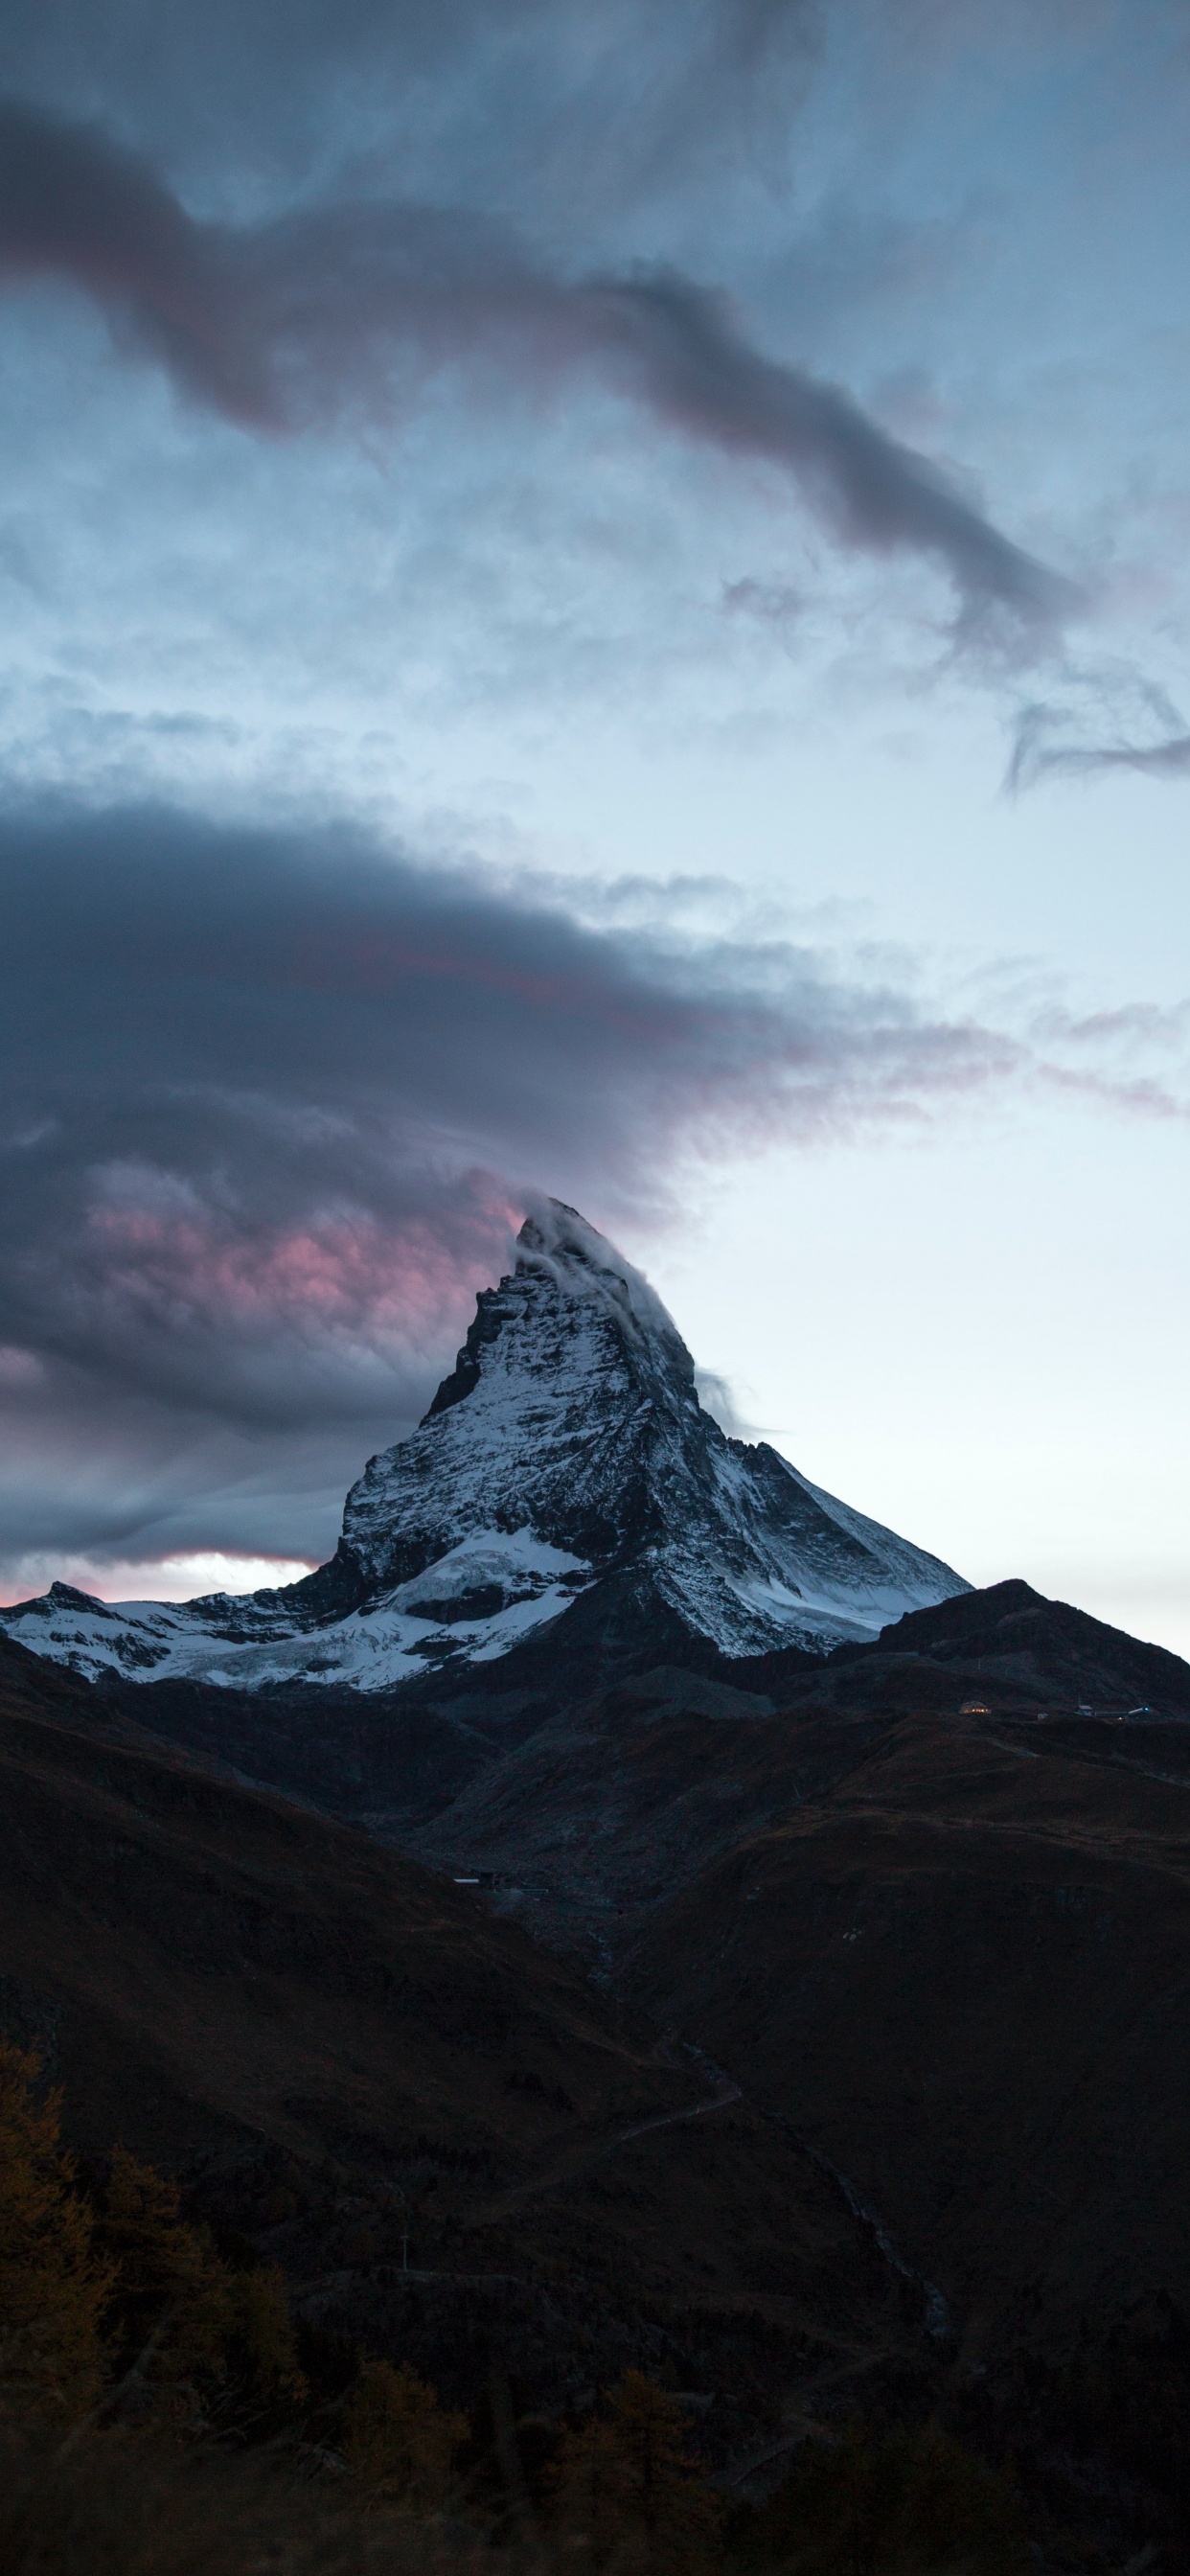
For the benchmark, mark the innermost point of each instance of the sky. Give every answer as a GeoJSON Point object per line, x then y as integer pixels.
{"type": "Point", "coordinates": [595, 601]}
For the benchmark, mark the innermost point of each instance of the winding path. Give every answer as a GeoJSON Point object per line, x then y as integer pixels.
{"type": "Point", "coordinates": [584, 2159]}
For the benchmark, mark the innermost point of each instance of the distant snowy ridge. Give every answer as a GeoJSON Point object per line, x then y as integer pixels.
{"type": "Point", "coordinates": [567, 1446]}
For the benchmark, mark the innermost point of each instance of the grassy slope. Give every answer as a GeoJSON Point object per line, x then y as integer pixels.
{"type": "Point", "coordinates": [964, 1970]}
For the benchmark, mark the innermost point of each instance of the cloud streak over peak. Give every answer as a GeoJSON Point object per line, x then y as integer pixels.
{"type": "Point", "coordinates": [346, 308]}
{"type": "Point", "coordinates": [275, 1102]}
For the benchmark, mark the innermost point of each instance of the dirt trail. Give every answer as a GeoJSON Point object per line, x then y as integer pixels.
{"type": "Point", "coordinates": [583, 2159]}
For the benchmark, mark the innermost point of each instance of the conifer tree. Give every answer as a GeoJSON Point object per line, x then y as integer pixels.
{"type": "Point", "coordinates": [53, 2284]}
{"type": "Point", "coordinates": [631, 2478]}
{"type": "Point", "coordinates": [397, 2438]}
{"type": "Point", "coordinates": [198, 2343]}
{"type": "Point", "coordinates": [157, 2261]}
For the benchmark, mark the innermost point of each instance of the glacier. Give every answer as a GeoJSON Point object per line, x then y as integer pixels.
{"type": "Point", "coordinates": [566, 1451]}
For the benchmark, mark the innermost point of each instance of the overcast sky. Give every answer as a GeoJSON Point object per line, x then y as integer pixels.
{"type": "Point", "coordinates": [596, 600]}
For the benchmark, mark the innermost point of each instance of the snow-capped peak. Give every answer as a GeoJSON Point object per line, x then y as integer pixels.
{"type": "Point", "coordinates": [565, 1450]}
{"type": "Point", "coordinates": [556, 1238]}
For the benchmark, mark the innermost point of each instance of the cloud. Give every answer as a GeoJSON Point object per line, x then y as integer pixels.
{"type": "Point", "coordinates": [1099, 718]}
{"type": "Point", "coordinates": [346, 309]}
{"type": "Point", "coordinates": [1034, 758]}
{"type": "Point", "coordinates": [597, 107]}
{"type": "Point", "coordinates": [273, 1106]}
{"type": "Point", "coordinates": [275, 1102]}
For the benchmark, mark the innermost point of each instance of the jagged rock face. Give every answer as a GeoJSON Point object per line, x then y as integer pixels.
{"type": "Point", "coordinates": [571, 1408]}
{"type": "Point", "coordinates": [566, 1448]}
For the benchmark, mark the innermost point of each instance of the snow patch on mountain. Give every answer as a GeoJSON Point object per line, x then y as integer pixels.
{"type": "Point", "coordinates": [479, 1599]}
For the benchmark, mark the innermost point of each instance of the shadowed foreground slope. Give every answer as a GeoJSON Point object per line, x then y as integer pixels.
{"type": "Point", "coordinates": [340, 2051]}
{"type": "Point", "coordinates": [963, 1968]}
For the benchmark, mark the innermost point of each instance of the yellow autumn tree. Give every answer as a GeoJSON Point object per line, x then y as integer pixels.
{"type": "Point", "coordinates": [595, 2504]}
{"type": "Point", "coordinates": [626, 2486]}
{"type": "Point", "coordinates": [53, 2283]}
{"type": "Point", "coordinates": [241, 2336]}
{"type": "Point", "coordinates": [398, 2439]}
{"type": "Point", "coordinates": [197, 2342]}
{"type": "Point", "coordinates": [159, 2264]}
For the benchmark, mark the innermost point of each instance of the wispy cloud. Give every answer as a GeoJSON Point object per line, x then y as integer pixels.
{"type": "Point", "coordinates": [1035, 757]}
{"type": "Point", "coordinates": [349, 307]}
{"type": "Point", "coordinates": [1096, 719]}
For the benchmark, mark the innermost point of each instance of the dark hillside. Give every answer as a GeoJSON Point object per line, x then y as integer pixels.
{"type": "Point", "coordinates": [1022, 1644]}
{"type": "Point", "coordinates": [1007, 1639]}
{"type": "Point", "coordinates": [337, 2050]}
{"type": "Point", "coordinates": [943, 1959]}
{"type": "Point", "coordinates": [605, 1761]}
{"type": "Point", "coordinates": [616, 1800]}
{"type": "Point", "coordinates": [964, 1970]}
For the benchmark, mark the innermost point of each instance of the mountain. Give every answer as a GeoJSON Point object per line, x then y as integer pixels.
{"type": "Point", "coordinates": [623, 1793]}
{"type": "Point", "coordinates": [873, 2095]}
{"type": "Point", "coordinates": [566, 1456]}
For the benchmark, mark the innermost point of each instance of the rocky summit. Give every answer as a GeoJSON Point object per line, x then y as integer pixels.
{"type": "Point", "coordinates": [566, 1454]}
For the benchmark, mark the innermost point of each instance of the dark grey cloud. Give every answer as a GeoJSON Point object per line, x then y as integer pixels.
{"type": "Point", "coordinates": [347, 308]}
{"type": "Point", "coordinates": [272, 1103]}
